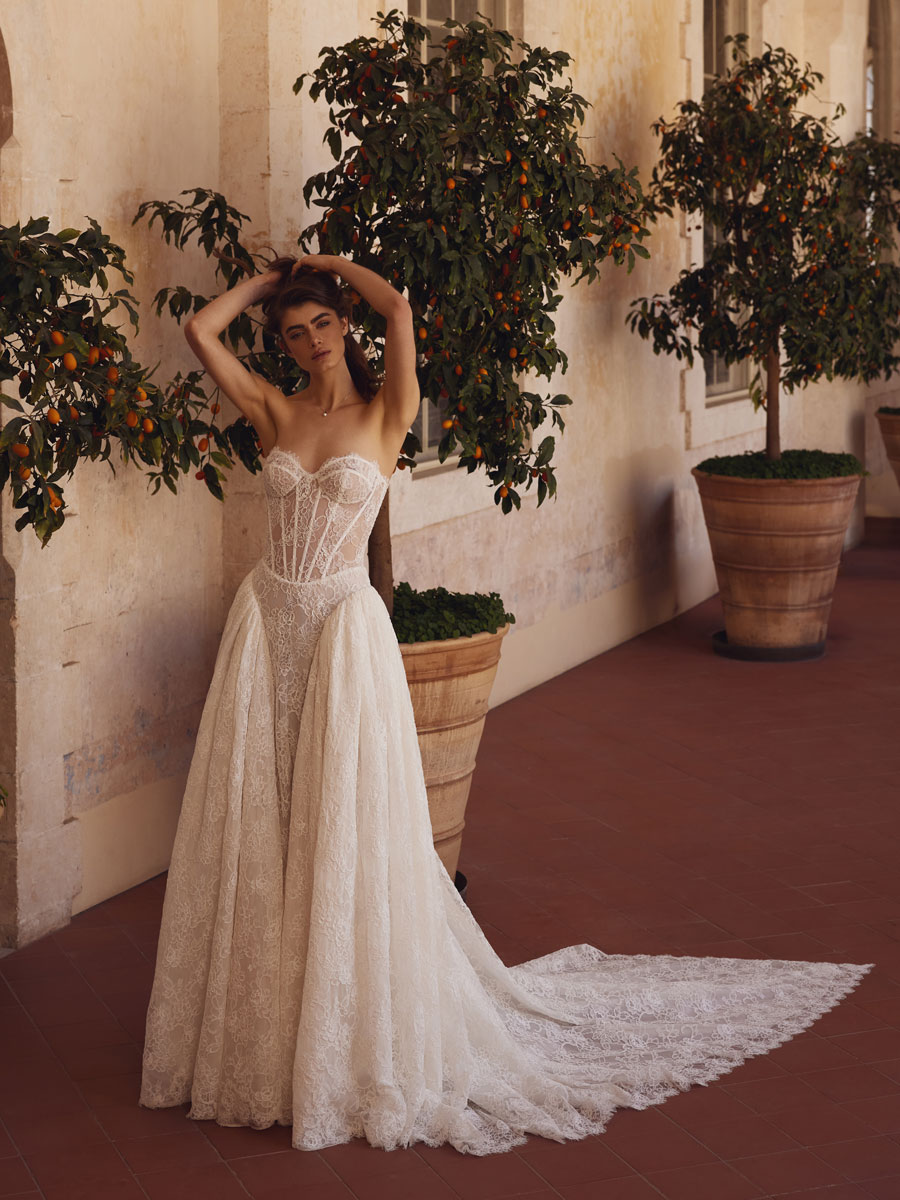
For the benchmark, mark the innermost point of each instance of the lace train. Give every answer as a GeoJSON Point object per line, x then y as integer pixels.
{"type": "Point", "coordinates": [317, 967]}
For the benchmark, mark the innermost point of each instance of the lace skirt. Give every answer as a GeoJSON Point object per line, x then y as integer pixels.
{"type": "Point", "coordinates": [317, 967]}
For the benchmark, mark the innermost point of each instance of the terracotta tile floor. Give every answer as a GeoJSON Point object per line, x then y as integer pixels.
{"type": "Point", "coordinates": [655, 799]}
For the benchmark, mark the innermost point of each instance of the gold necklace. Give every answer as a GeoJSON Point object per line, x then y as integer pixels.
{"type": "Point", "coordinates": [326, 411]}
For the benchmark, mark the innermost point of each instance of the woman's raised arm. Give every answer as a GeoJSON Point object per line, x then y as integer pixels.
{"type": "Point", "coordinates": [229, 373]}
{"type": "Point", "coordinates": [400, 392]}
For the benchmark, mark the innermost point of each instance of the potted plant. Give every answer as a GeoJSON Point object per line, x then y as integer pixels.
{"type": "Point", "coordinates": [799, 281]}
{"type": "Point", "coordinates": [462, 180]}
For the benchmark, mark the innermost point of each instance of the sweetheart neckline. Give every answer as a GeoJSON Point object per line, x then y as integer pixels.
{"type": "Point", "coordinates": [331, 458]}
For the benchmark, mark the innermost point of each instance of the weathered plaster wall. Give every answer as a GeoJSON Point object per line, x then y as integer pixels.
{"type": "Point", "coordinates": [624, 546]}
{"type": "Point", "coordinates": [116, 621]}
{"type": "Point", "coordinates": [110, 633]}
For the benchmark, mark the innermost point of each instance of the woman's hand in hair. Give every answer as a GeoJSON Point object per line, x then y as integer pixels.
{"type": "Point", "coordinates": [319, 262]}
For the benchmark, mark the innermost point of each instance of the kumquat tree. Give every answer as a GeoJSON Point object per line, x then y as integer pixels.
{"type": "Point", "coordinates": [801, 277]}
{"type": "Point", "coordinates": [68, 376]}
{"type": "Point", "coordinates": [461, 179]}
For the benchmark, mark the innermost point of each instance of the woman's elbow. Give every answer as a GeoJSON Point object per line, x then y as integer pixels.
{"type": "Point", "coordinates": [400, 309]}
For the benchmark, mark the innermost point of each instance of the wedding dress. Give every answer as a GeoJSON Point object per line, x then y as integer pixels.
{"type": "Point", "coordinates": [316, 965]}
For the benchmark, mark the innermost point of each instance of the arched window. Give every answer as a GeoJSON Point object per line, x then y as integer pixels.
{"type": "Point", "coordinates": [877, 74]}
{"type": "Point", "coordinates": [723, 18]}
{"type": "Point", "coordinates": [504, 14]}
{"type": "Point", "coordinates": [6, 112]}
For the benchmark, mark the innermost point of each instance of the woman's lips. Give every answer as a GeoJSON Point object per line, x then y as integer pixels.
{"type": "Point", "coordinates": [321, 354]}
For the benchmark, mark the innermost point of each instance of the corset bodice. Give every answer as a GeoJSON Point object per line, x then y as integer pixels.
{"type": "Point", "coordinates": [319, 521]}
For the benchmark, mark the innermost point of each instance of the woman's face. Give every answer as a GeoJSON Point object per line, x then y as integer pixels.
{"type": "Point", "coordinates": [313, 335]}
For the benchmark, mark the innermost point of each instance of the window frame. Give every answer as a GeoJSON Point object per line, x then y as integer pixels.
{"type": "Point", "coordinates": [505, 14]}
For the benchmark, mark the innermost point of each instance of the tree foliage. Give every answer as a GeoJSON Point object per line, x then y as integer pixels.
{"type": "Point", "coordinates": [68, 375]}
{"type": "Point", "coordinates": [806, 228]}
{"type": "Point", "coordinates": [459, 176]}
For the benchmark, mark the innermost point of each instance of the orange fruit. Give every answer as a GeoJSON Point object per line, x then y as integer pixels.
{"type": "Point", "coordinates": [105, 352]}
{"type": "Point", "coordinates": [112, 374]}
{"type": "Point", "coordinates": [451, 184]}
{"type": "Point", "coordinates": [203, 444]}
{"type": "Point", "coordinates": [498, 295]}
{"type": "Point", "coordinates": [69, 361]}
{"type": "Point", "coordinates": [507, 154]}
{"type": "Point", "coordinates": [110, 395]}
{"type": "Point", "coordinates": [55, 500]}
{"type": "Point", "coordinates": [567, 224]}
{"type": "Point", "coordinates": [199, 475]}
{"type": "Point", "coordinates": [423, 333]}
{"type": "Point", "coordinates": [439, 321]}
{"type": "Point", "coordinates": [140, 395]}
{"type": "Point", "coordinates": [73, 412]}
{"type": "Point", "coordinates": [53, 416]}
{"type": "Point", "coordinates": [458, 369]}
{"type": "Point", "coordinates": [24, 472]}
{"type": "Point", "coordinates": [523, 179]}
{"type": "Point", "coordinates": [513, 352]}
{"type": "Point", "coordinates": [131, 419]}
{"type": "Point", "coordinates": [93, 356]}
{"type": "Point", "coordinates": [215, 407]}
{"type": "Point", "coordinates": [448, 424]}
{"type": "Point", "coordinates": [523, 201]}
{"type": "Point", "coordinates": [147, 425]}
{"type": "Point", "coordinates": [20, 450]}
{"type": "Point", "coordinates": [57, 338]}
{"type": "Point", "coordinates": [478, 452]}
{"type": "Point", "coordinates": [504, 491]}
{"type": "Point", "coordinates": [140, 437]}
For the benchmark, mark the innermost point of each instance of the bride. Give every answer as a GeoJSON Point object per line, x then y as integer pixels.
{"type": "Point", "coordinates": [316, 965]}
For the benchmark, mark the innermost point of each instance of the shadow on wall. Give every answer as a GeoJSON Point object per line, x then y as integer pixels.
{"type": "Point", "coordinates": [654, 565]}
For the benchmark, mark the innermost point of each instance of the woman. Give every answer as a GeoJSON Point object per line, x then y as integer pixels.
{"type": "Point", "coordinates": [316, 965]}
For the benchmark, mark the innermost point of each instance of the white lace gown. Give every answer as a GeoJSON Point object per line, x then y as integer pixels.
{"type": "Point", "coordinates": [316, 965]}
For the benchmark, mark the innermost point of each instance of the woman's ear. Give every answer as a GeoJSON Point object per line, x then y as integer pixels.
{"type": "Point", "coordinates": [345, 326]}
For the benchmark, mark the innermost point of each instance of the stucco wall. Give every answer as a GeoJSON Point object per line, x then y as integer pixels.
{"type": "Point", "coordinates": [108, 636]}
{"type": "Point", "coordinates": [116, 621]}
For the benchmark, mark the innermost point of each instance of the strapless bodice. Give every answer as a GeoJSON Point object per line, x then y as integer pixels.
{"type": "Point", "coordinates": [319, 521]}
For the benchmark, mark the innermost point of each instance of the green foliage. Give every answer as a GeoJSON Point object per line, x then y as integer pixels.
{"type": "Point", "coordinates": [209, 221]}
{"type": "Point", "coordinates": [793, 464]}
{"type": "Point", "coordinates": [807, 228]}
{"type": "Point", "coordinates": [436, 614]}
{"type": "Point", "coordinates": [889, 408]}
{"type": "Point", "coordinates": [461, 179]}
{"type": "Point", "coordinates": [67, 373]}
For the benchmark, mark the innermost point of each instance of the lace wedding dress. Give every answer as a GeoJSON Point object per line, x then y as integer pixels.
{"type": "Point", "coordinates": [316, 965]}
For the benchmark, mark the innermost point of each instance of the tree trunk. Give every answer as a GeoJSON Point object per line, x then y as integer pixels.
{"type": "Point", "coordinates": [773, 383]}
{"type": "Point", "coordinates": [381, 566]}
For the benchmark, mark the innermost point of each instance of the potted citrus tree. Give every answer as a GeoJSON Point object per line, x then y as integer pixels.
{"type": "Point", "coordinates": [799, 280]}
{"type": "Point", "coordinates": [459, 176]}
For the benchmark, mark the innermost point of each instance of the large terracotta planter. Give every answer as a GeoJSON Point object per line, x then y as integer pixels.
{"type": "Point", "coordinates": [889, 424]}
{"type": "Point", "coordinates": [449, 684]}
{"type": "Point", "coordinates": [776, 545]}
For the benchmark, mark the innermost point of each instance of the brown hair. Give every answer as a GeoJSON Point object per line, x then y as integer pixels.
{"type": "Point", "coordinates": [307, 284]}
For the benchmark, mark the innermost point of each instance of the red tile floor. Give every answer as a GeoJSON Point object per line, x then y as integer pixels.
{"type": "Point", "coordinates": [654, 799]}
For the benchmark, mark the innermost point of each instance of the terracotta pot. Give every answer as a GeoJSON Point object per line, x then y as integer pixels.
{"type": "Point", "coordinates": [776, 545]}
{"type": "Point", "coordinates": [449, 684]}
{"type": "Point", "coordinates": [889, 424]}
